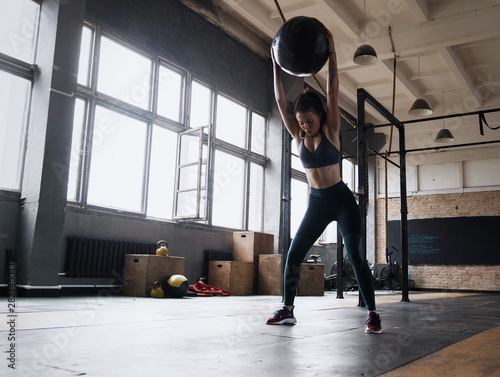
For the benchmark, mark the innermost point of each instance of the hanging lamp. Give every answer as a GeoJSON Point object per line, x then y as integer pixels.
{"type": "Point", "coordinates": [444, 135]}
{"type": "Point", "coordinates": [420, 107]}
{"type": "Point", "coordinates": [365, 54]}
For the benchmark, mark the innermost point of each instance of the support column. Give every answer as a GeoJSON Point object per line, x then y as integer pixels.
{"type": "Point", "coordinates": [361, 174]}
{"type": "Point", "coordinates": [340, 244]}
{"type": "Point", "coordinates": [404, 212]}
{"type": "Point", "coordinates": [287, 189]}
{"type": "Point", "coordinates": [45, 175]}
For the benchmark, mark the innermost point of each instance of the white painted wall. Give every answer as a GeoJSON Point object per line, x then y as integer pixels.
{"type": "Point", "coordinates": [444, 172]}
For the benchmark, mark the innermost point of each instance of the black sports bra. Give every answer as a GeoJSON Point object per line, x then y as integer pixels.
{"type": "Point", "coordinates": [326, 154]}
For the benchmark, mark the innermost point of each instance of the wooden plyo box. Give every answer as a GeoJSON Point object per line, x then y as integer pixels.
{"type": "Point", "coordinates": [247, 246]}
{"type": "Point", "coordinates": [312, 280]}
{"type": "Point", "coordinates": [270, 274]}
{"type": "Point", "coordinates": [142, 270]}
{"type": "Point", "coordinates": [233, 276]}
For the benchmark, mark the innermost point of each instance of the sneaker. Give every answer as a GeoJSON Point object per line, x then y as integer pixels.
{"type": "Point", "coordinates": [281, 317]}
{"type": "Point", "coordinates": [373, 325]}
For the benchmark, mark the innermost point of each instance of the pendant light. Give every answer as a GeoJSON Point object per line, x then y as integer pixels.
{"type": "Point", "coordinates": [365, 54]}
{"type": "Point", "coordinates": [420, 107]}
{"type": "Point", "coordinates": [444, 135]}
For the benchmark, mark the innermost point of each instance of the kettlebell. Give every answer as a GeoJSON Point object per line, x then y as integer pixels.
{"type": "Point", "coordinates": [162, 248]}
{"type": "Point", "coordinates": [157, 291]}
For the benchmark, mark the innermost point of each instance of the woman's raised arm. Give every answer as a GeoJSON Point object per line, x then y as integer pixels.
{"type": "Point", "coordinates": [279, 93]}
{"type": "Point", "coordinates": [332, 90]}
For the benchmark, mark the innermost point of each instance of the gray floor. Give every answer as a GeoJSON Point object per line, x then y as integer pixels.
{"type": "Point", "coordinates": [227, 336]}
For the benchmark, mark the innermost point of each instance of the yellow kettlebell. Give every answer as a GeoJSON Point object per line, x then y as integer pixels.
{"type": "Point", "coordinates": [157, 292]}
{"type": "Point", "coordinates": [162, 248]}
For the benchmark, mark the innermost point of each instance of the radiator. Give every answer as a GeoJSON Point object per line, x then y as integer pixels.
{"type": "Point", "coordinates": [96, 257]}
{"type": "Point", "coordinates": [216, 255]}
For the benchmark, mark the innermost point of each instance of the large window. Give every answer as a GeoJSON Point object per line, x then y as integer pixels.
{"type": "Point", "coordinates": [151, 139]}
{"type": "Point", "coordinates": [350, 174]}
{"type": "Point", "coordinates": [162, 172]}
{"type": "Point", "coordinates": [299, 195]}
{"type": "Point", "coordinates": [228, 195]}
{"type": "Point", "coordinates": [170, 93]}
{"type": "Point", "coordinates": [201, 105]}
{"type": "Point", "coordinates": [18, 29]}
{"type": "Point", "coordinates": [231, 122]}
{"type": "Point", "coordinates": [14, 100]}
{"type": "Point", "coordinates": [18, 34]}
{"type": "Point", "coordinates": [255, 197]}
{"type": "Point", "coordinates": [117, 62]}
{"type": "Point", "coordinates": [258, 134]}
{"type": "Point", "coordinates": [117, 164]}
{"type": "Point", "coordinates": [77, 148]}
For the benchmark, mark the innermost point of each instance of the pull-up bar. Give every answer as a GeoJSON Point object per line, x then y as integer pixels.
{"type": "Point", "coordinates": [362, 97]}
{"type": "Point", "coordinates": [395, 123]}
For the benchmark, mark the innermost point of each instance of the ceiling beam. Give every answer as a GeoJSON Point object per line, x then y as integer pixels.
{"type": "Point", "coordinates": [403, 83]}
{"type": "Point", "coordinates": [478, 43]}
{"type": "Point", "coordinates": [429, 72]}
{"type": "Point", "coordinates": [438, 34]}
{"type": "Point", "coordinates": [256, 15]}
{"type": "Point", "coordinates": [457, 67]}
{"type": "Point", "coordinates": [333, 10]}
{"type": "Point", "coordinates": [419, 9]}
{"type": "Point", "coordinates": [227, 19]}
{"type": "Point", "coordinates": [487, 63]}
{"type": "Point", "coordinates": [340, 16]}
{"type": "Point", "coordinates": [293, 10]}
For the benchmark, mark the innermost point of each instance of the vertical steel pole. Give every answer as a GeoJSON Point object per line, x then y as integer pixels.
{"type": "Point", "coordinates": [404, 212]}
{"type": "Point", "coordinates": [340, 250]}
{"type": "Point", "coordinates": [285, 200]}
{"type": "Point", "coordinates": [402, 166]}
{"type": "Point", "coordinates": [361, 173]}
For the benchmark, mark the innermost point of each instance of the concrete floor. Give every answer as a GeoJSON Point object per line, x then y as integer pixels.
{"type": "Point", "coordinates": [227, 336]}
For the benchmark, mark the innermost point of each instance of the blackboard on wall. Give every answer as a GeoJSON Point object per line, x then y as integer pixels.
{"type": "Point", "coordinates": [449, 241]}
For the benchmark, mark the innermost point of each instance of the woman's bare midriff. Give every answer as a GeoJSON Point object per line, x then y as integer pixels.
{"type": "Point", "coordinates": [324, 177]}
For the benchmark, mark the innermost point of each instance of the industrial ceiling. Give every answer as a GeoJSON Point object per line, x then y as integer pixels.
{"type": "Point", "coordinates": [456, 44]}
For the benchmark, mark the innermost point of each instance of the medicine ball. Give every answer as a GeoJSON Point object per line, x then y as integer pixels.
{"type": "Point", "coordinates": [177, 286]}
{"type": "Point", "coordinates": [300, 46]}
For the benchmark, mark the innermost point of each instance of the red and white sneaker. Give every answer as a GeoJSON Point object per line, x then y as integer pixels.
{"type": "Point", "coordinates": [373, 324]}
{"type": "Point", "coordinates": [282, 316]}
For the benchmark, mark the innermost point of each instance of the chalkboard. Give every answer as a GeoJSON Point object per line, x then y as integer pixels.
{"type": "Point", "coordinates": [449, 241]}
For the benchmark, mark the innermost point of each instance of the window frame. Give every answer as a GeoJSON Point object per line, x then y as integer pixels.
{"type": "Point", "coordinates": [201, 185]}
{"type": "Point", "coordinates": [90, 131]}
{"type": "Point", "coordinates": [28, 71]}
{"type": "Point", "coordinates": [94, 98]}
{"type": "Point", "coordinates": [245, 153]}
{"type": "Point", "coordinates": [184, 96]}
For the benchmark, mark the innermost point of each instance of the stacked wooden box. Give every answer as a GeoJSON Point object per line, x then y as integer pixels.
{"type": "Point", "coordinates": [241, 275]}
{"type": "Point", "coordinates": [270, 274]}
{"type": "Point", "coordinates": [256, 270]}
{"type": "Point", "coordinates": [312, 280]}
{"type": "Point", "coordinates": [271, 277]}
{"type": "Point", "coordinates": [142, 270]}
{"type": "Point", "coordinates": [236, 277]}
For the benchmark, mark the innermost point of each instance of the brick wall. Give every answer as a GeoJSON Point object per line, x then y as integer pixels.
{"type": "Point", "coordinates": [485, 203]}
{"type": "Point", "coordinates": [480, 278]}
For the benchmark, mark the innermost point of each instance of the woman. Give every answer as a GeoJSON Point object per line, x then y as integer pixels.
{"type": "Point", "coordinates": [316, 133]}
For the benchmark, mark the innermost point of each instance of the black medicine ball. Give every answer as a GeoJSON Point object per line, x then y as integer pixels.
{"type": "Point", "coordinates": [301, 46]}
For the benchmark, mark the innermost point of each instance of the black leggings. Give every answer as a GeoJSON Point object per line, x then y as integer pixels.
{"type": "Point", "coordinates": [326, 205]}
